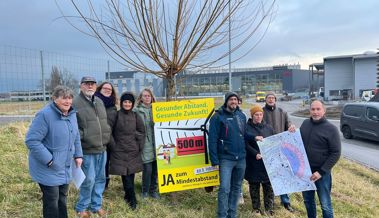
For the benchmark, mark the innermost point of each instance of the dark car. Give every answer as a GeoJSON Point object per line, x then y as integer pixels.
{"type": "Point", "coordinates": [360, 120]}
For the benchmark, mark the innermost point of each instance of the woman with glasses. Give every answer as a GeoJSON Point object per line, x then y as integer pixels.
{"type": "Point", "coordinates": [107, 93]}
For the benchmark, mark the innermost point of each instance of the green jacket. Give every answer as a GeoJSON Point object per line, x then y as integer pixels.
{"type": "Point", "coordinates": [148, 153]}
{"type": "Point", "coordinates": [93, 126]}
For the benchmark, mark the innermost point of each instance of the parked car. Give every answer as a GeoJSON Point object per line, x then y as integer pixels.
{"type": "Point", "coordinates": [286, 97]}
{"type": "Point", "coordinates": [360, 120]}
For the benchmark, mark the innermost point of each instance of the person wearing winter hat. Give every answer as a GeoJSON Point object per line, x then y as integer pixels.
{"type": "Point", "coordinates": [278, 119]}
{"type": "Point", "coordinates": [227, 153]}
{"type": "Point", "coordinates": [256, 173]}
{"type": "Point", "coordinates": [129, 137]}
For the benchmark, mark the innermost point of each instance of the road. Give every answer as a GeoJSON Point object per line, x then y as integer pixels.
{"type": "Point", "coordinates": [5, 119]}
{"type": "Point", "coordinates": [363, 151]}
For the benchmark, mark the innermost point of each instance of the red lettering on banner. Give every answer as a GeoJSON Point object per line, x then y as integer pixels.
{"type": "Point", "coordinates": [190, 145]}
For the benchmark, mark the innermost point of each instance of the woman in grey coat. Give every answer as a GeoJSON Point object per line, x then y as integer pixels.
{"type": "Point", "coordinates": [150, 172]}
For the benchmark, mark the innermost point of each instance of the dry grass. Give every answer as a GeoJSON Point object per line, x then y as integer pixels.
{"type": "Point", "coordinates": [20, 108]}
{"type": "Point", "coordinates": [355, 191]}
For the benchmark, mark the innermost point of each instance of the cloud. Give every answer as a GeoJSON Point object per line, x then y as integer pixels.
{"type": "Point", "coordinates": [302, 31]}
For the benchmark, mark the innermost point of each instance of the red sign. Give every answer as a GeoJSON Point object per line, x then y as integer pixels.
{"type": "Point", "coordinates": [190, 145]}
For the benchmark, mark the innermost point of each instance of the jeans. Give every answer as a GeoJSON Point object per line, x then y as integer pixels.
{"type": "Point", "coordinates": [324, 186]}
{"type": "Point", "coordinates": [285, 199]}
{"type": "Point", "coordinates": [54, 200]}
{"type": "Point", "coordinates": [149, 177]}
{"type": "Point", "coordinates": [231, 176]}
{"type": "Point", "coordinates": [92, 188]}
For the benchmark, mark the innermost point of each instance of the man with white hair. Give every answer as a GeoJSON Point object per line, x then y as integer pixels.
{"type": "Point", "coordinates": [94, 135]}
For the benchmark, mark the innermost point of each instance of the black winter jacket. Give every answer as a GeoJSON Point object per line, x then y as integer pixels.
{"type": "Point", "coordinates": [255, 169]}
{"type": "Point", "coordinates": [322, 144]}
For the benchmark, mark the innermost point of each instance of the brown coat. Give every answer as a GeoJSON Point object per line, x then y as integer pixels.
{"type": "Point", "coordinates": [277, 118]}
{"type": "Point", "coordinates": [129, 137]}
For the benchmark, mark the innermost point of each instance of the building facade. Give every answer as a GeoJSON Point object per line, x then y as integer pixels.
{"type": "Point", "coordinates": [245, 81]}
{"type": "Point", "coordinates": [347, 76]}
{"type": "Point", "coordinates": [135, 81]}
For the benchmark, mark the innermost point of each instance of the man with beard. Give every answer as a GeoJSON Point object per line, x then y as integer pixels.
{"type": "Point", "coordinates": [94, 135]}
{"type": "Point", "coordinates": [277, 118]}
{"type": "Point", "coordinates": [227, 153]}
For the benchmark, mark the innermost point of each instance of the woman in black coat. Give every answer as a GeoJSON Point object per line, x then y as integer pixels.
{"type": "Point", "coordinates": [129, 136]}
{"type": "Point", "coordinates": [256, 173]}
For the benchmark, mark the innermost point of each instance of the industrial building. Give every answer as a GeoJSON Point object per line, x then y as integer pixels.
{"type": "Point", "coordinates": [135, 81]}
{"type": "Point", "coordinates": [287, 78]}
{"type": "Point", "coordinates": [246, 81]}
{"type": "Point", "coordinates": [347, 76]}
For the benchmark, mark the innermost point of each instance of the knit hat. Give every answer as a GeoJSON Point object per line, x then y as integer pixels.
{"type": "Point", "coordinates": [228, 95]}
{"type": "Point", "coordinates": [270, 93]}
{"type": "Point", "coordinates": [255, 108]}
{"type": "Point", "coordinates": [127, 96]}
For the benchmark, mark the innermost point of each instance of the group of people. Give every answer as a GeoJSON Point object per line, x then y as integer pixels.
{"type": "Point", "coordinates": [235, 152]}
{"type": "Point", "coordinates": [88, 131]}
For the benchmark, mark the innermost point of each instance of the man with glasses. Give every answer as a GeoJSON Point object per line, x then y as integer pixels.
{"type": "Point", "coordinates": [94, 134]}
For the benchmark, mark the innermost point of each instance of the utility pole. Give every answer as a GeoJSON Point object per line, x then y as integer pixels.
{"type": "Point", "coordinates": [230, 53]}
{"type": "Point", "coordinates": [43, 78]}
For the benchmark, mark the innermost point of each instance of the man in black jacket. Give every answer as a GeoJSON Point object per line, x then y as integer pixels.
{"type": "Point", "coordinates": [323, 147]}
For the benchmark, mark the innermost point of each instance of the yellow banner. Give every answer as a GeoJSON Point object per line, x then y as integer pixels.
{"type": "Point", "coordinates": [178, 179]}
{"type": "Point", "coordinates": [182, 110]}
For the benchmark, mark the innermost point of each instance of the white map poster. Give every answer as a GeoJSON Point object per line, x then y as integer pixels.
{"type": "Point", "coordinates": [286, 163]}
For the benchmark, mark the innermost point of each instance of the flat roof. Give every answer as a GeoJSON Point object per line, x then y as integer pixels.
{"type": "Point", "coordinates": [354, 56]}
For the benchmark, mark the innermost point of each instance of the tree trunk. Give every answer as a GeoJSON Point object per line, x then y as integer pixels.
{"type": "Point", "coordinates": [170, 89]}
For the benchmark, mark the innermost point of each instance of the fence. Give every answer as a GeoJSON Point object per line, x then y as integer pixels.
{"type": "Point", "coordinates": [25, 75]}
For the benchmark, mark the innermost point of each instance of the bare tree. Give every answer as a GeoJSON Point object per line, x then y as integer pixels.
{"type": "Point", "coordinates": [60, 77]}
{"type": "Point", "coordinates": [165, 37]}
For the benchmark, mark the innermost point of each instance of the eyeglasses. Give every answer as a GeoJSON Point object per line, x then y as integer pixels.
{"type": "Point", "coordinates": [107, 89]}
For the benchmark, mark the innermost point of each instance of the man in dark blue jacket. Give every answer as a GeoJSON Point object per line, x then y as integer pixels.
{"type": "Point", "coordinates": [323, 147]}
{"type": "Point", "coordinates": [227, 152]}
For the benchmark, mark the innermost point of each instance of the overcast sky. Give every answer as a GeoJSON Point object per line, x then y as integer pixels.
{"type": "Point", "coordinates": [303, 31]}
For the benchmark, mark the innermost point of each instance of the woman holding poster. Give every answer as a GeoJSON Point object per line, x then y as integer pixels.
{"type": "Point", "coordinates": [129, 137]}
{"type": "Point", "coordinates": [150, 173]}
{"type": "Point", "coordinates": [256, 173]}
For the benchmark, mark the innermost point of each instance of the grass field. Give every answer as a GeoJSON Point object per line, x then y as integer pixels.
{"type": "Point", "coordinates": [20, 108]}
{"type": "Point", "coordinates": [355, 191]}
